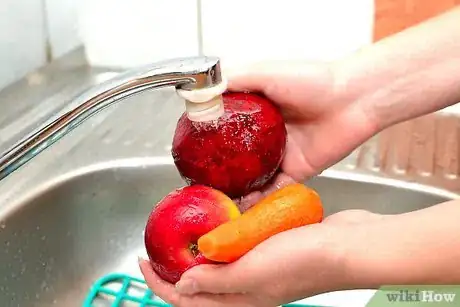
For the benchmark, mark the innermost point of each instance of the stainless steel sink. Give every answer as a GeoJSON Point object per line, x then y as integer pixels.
{"type": "Point", "coordinates": [77, 211]}
{"type": "Point", "coordinates": [89, 222]}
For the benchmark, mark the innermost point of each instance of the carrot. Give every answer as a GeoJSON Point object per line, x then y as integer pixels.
{"type": "Point", "coordinates": [293, 206]}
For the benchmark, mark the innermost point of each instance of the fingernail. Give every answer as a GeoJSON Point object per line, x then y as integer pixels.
{"type": "Point", "coordinates": [140, 259]}
{"type": "Point", "coordinates": [186, 286]}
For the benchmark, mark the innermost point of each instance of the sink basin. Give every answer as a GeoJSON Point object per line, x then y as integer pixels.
{"type": "Point", "coordinates": [72, 230]}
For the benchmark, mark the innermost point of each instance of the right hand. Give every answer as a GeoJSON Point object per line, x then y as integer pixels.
{"type": "Point", "coordinates": [323, 126]}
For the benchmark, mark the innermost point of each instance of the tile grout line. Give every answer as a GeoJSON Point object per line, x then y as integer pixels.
{"type": "Point", "coordinates": [46, 32]}
{"type": "Point", "coordinates": [199, 27]}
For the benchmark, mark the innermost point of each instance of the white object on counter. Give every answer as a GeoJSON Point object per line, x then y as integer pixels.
{"type": "Point", "coordinates": [126, 34]}
{"type": "Point", "coordinates": [242, 32]}
{"type": "Point", "coordinates": [348, 298]}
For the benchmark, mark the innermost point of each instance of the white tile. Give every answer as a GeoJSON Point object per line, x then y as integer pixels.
{"type": "Point", "coordinates": [242, 31]}
{"type": "Point", "coordinates": [22, 39]}
{"type": "Point", "coordinates": [62, 25]}
{"type": "Point", "coordinates": [130, 33]}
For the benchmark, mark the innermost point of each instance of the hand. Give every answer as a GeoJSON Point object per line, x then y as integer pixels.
{"type": "Point", "coordinates": [323, 126]}
{"type": "Point", "coordinates": [289, 266]}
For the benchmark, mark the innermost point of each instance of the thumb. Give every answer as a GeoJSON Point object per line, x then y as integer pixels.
{"type": "Point", "coordinates": [208, 278]}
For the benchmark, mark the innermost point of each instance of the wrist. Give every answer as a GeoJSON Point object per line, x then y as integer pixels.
{"type": "Point", "coordinates": [352, 85]}
{"type": "Point", "coordinates": [332, 253]}
{"type": "Point", "coordinates": [356, 112]}
{"type": "Point", "coordinates": [360, 266]}
{"type": "Point", "coordinates": [368, 251]}
{"type": "Point", "coordinates": [402, 77]}
{"type": "Point", "coordinates": [397, 250]}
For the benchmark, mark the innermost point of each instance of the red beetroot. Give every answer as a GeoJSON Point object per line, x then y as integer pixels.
{"type": "Point", "coordinates": [236, 154]}
{"type": "Point", "coordinates": [176, 223]}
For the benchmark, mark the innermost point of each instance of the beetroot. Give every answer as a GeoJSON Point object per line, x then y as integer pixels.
{"type": "Point", "coordinates": [237, 153]}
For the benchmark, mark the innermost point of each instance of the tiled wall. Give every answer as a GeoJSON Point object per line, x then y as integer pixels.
{"type": "Point", "coordinates": [239, 31]}
{"type": "Point", "coordinates": [242, 31]}
{"type": "Point", "coordinates": [34, 31]}
{"type": "Point", "coordinates": [22, 36]}
{"type": "Point", "coordinates": [25, 27]}
{"type": "Point", "coordinates": [62, 25]}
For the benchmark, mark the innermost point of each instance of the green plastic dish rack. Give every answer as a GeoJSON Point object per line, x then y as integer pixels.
{"type": "Point", "coordinates": [116, 290]}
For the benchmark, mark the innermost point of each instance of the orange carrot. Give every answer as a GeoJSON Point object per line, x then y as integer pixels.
{"type": "Point", "coordinates": [293, 206]}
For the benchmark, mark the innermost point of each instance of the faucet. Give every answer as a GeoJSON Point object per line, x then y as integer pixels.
{"type": "Point", "coordinates": [185, 74]}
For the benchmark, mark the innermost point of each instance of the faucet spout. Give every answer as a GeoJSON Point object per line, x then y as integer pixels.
{"type": "Point", "coordinates": [185, 74]}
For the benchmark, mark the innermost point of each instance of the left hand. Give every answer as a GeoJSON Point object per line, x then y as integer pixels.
{"type": "Point", "coordinates": [287, 267]}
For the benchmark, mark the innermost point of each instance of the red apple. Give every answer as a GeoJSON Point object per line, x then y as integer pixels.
{"type": "Point", "coordinates": [236, 154]}
{"type": "Point", "coordinates": [176, 223]}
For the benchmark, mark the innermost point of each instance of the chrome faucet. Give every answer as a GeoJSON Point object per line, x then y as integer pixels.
{"type": "Point", "coordinates": [187, 74]}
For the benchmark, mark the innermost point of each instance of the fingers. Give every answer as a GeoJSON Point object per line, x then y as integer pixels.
{"type": "Point", "coordinates": [275, 81]}
{"type": "Point", "coordinates": [283, 81]}
{"type": "Point", "coordinates": [249, 200]}
{"type": "Point", "coordinates": [280, 181]}
{"type": "Point", "coordinates": [225, 279]}
{"type": "Point", "coordinates": [261, 75]}
{"type": "Point", "coordinates": [176, 296]}
{"type": "Point", "coordinates": [253, 82]}
{"type": "Point", "coordinates": [253, 77]}
{"type": "Point", "coordinates": [160, 287]}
